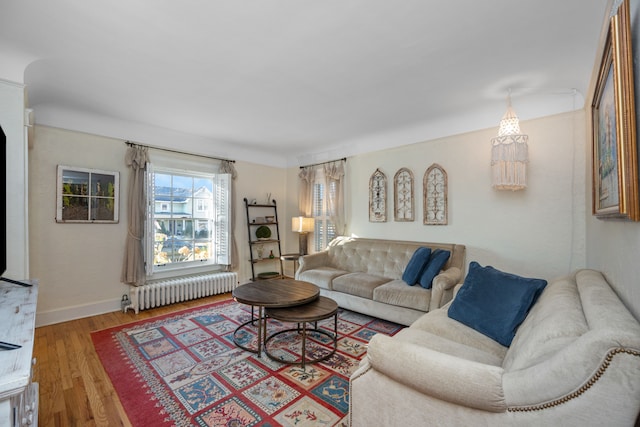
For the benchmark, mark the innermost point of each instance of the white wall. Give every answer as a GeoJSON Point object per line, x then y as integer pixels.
{"type": "Point", "coordinates": [12, 105]}
{"type": "Point", "coordinates": [537, 232]}
{"type": "Point", "coordinates": [78, 265]}
{"type": "Point", "coordinates": [255, 182]}
{"type": "Point", "coordinates": [613, 247]}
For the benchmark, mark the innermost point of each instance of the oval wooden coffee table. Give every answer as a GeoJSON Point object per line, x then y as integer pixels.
{"type": "Point", "coordinates": [271, 293]}
{"type": "Point", "coordinates": [314, 311]}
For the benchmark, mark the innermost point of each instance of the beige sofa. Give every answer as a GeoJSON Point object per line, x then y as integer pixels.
{"type": "Point", "coordinates": [574, 361]}
{"type": "Point", "coordinates": [365, 275]}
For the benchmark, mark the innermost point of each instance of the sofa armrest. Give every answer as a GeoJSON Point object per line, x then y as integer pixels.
{"type": "Point", "coordinates": [442, 376]}
{"type": "Point", "coordinates": [309, 262]}
{"type": "Point", "coordinates": [442, 287]}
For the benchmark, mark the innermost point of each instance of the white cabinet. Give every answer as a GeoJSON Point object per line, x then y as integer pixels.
{"type": "Point", "coordinates": [18, 394]}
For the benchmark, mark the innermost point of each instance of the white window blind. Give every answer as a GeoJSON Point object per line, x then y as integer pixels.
{"type": "Point", "coordinates": [324, 230]}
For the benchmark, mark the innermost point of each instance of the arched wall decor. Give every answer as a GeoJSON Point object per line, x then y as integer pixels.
{"type": "Point", "coordinates": [378, 197]}
{"type": "Point", "coordinates": [404, 200]}
{"type": "Point", "coordinates": [435, 196]}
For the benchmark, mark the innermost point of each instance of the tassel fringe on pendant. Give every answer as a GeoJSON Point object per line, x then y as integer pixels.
{"type": "Point", "coordinates": [509, 158]}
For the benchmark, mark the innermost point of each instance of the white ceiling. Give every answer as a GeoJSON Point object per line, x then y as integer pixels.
{"type": "Point", "coordinates": [290, 82]}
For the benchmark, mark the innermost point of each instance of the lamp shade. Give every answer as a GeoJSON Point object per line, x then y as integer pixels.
{"type": "Point", "coordinates": [301, 224]}
{"type": "Point", "coordinates": [509, 154]}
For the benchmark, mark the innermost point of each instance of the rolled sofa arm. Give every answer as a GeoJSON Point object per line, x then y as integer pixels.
{"type": "Point", "coordinates": [445, 377]}
{"type": "Point", "coordinates": [309, 262]}
{"type": "Point", "coordinates": [442, 287]}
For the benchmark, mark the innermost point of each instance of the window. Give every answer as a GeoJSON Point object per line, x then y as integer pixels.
{"type": "Point", "coordinates": [188, 219]}
{"type": "Point", "coordinates": [324, 230]}
{"type": "Point", "coordinates": [87, 195]}
{"type": "Point", "coordinates": [202, 206]}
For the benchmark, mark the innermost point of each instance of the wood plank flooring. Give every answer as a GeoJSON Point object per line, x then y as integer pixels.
{"type": "Point", "coordinates": [74, 388]}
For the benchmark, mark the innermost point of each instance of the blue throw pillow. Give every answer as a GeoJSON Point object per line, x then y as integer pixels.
{"type": "Point", "coordinates": [438, 259]}
{"type": "Point", "coordinates": [495, 303]}
{"type": "Point", "coordinates": [416, 264]}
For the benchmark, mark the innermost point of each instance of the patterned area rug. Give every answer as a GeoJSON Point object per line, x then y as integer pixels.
{"type": "Point", "coordinates": [184, 369]}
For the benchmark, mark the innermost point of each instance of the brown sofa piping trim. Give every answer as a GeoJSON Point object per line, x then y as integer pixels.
{"type": "Point", "coordinates": [595, 377]}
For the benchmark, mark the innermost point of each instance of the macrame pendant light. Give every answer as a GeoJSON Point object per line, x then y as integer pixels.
{"type": "Point", "coordinates": [509, 154]}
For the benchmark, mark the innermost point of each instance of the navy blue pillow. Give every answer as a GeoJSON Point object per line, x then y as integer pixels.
{"type": "Point", "coordinates": [416, 264]}
{"type": "Point", "coordinates": [495, 303]}
{"type": "Point", "coordinates": [438, 259]}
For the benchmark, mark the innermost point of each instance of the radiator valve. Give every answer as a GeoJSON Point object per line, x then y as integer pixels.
{"type": "Point", "coordinates": [126, 303]}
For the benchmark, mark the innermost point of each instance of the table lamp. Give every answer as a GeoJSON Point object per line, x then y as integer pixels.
{"type": "Point", "coordinates": [303, 226]}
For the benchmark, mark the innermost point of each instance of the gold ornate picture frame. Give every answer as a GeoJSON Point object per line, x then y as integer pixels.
{"type": "Point", "coordinates": [615, 159]}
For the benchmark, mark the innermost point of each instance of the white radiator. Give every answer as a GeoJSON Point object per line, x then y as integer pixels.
{"type": "Point", "coordinates": [169, 291]}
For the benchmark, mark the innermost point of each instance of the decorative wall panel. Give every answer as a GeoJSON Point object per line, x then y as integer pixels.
{"type": "Point", "coordinates": [435, 196]}
{"type": "Point", "coordinates": [404, 200]}
{"type": "Point", "coordinates": [378, 197]}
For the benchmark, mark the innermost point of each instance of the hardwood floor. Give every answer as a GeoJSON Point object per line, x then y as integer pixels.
{"type": "Point", "coordinates": [74, 389]}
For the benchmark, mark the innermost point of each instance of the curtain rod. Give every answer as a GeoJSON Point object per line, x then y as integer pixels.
{"type": "Point", "coordinates": [344, 159]}
{"type": "Point", "coordinates": [129, 143]}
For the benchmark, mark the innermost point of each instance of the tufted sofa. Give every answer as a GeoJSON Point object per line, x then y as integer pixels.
{"type": "Point", "coordinates": [365, 275]}
{"type": "Point", "coordinates": [574, 361]}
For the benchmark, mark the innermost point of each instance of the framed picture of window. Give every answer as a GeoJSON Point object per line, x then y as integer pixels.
{"type": "Point", "coordinates": [87, 195]}
{"type": "Point", "coordinates": [615, 159]}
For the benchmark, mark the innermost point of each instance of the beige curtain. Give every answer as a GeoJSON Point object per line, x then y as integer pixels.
{"type": "Point", "coordinates": [334, 176]}
{"type": "Point", "coordinates": [227, 167]}
{"type": "Point", "coordinates": [133, 271]}
{"type": "Point", "coordinates": [307, 176]}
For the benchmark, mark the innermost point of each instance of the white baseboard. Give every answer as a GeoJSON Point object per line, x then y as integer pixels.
{"type": "Point", "coordinates": [44, 318]}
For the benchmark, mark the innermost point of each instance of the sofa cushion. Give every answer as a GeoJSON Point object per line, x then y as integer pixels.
{"type": "Point", "coordinates": [447, 346]}
{"type": "Point", "coordinates": [439, 323]}
{"type": "Point", "coordinates": [416, 265]}
{"type": "Point", "coordinates": [494, 302]}
{"type": "Point", "coordinates": [387, 258]}
{"type": "Point", "coordinates": [553, 323]}
{"type": "Point", "coordinates": [398, 293]}
{"type": "Point", "coordinates": [436, 262]}
{"type": "Point", "coordinates": [321, 276]}
{"type": "Point", "coordinates": [359, 284]}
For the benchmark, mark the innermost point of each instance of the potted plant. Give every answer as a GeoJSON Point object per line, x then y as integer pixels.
{"type": "Point", "coordinates": [263, 232]}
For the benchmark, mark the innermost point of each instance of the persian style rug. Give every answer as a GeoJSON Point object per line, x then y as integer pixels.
{"type": "Point", "coordinates": [183, 369]}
